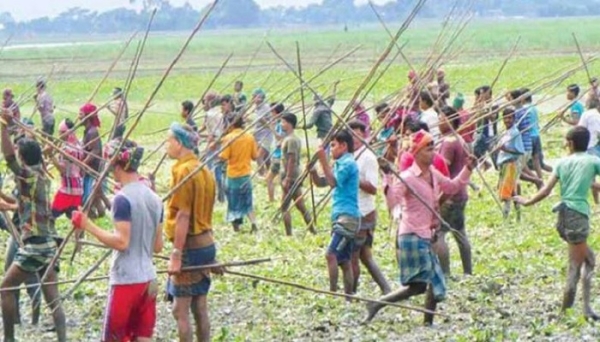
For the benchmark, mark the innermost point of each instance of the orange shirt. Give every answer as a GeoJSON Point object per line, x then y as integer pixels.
{"type": "Point", "coordinates": [240, 153]}
{"type": "Point", "coordinates": [196, 196]}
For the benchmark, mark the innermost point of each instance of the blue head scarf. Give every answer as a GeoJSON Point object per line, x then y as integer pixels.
{"type": "Point", "coordinates": [188, 138]}
{"type": "Point", "coordinates": [259, 92]}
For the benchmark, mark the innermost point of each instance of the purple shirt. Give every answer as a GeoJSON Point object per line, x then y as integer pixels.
{"type": "Point", "coordinates": [453, 152]}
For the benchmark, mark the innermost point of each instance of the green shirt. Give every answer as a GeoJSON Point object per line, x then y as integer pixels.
{"type": "Point", "coordinates": [291, 146]}
{"type": "Point", "coordinates": [35, 215]}
{"type": "Point", "coordinates": [321, 118]}
{"type": "Point", "coordinates": [576, 174]}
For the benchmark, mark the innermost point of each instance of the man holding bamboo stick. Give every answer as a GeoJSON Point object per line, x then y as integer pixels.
{"type": "Point", "coordinates": [38, 235]}
{"type": "Point", "coordinates": [321, 117]}
{"type": "Point", "coordinates": [291, 151]}
{"type": "Point", "coordinates": [345, 214]}
{"type": "Point", "coordinates": [189, 228]}
{"type": "Point", "coordinates": [92, 145]}
{"type": "Point", "coordinates": [240, 150]}
{"type": "Point", "coordinates": [45, 106]}
{"type": "Point", "coordinates": [9, 103]}
{"type": "Point", "coordinates": [120, 110]}
{"type": "Point", "coordinates": [418, 191]}
{"type": "Point", "coordinates": [69, 196]}
{"type": "Point", "coordinates": [369, 177]}
{"type": "Point", "coordinates": [263, 134]}
{"type": "Point", "coordinates": [137, 217]}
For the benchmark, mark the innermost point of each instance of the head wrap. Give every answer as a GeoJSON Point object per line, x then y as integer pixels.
{"type": "Point", "coordinates": [87, 109]}
{"type": "Point", "coordinates": [420, 140]}
{"type": "Point", "coordinates": [129, 156]}
{"type": "Point", "coordinates": [189, 139]}
{"type": "Point", "coordinates": [459, 101]}
{"type": "Point", "coordinates": [259, 92]}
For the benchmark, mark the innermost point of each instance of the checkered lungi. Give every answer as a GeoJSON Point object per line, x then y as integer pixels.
{"type": "Point", "coordinates": [418, 264]}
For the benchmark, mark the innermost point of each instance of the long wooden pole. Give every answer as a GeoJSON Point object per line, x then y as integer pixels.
{"type": "Point", "coordinates": [148, 102]}
{"type": "Point", "coordinates": [292, 190]}
{"type": "Point", "coordinates": [329, 293]}
{"type": "Point", "coordinates": [184, 269]}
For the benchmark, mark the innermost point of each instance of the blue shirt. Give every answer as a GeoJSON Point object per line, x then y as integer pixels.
{"type": "Point", "coordinates": [383, 136]}
{"type": "Point", "coordinates": [279, 132]}
{"type": "Point", "coordinates": [522, 117]}
{"type": "Point", "coordinates": [511, 140]}
{"type": "Point", "coordinates": [534, 121]}
{"type": "Point", "coordinates": [576, 110]}
{"type": "Point", "coordinates": [345, 193]}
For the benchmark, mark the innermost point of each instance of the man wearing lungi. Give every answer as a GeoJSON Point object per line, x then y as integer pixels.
{"type": "Point", "coordinates": [38, 235]}
{"type": "Point", "coordinates": [420, 269]}
{"type": "Point", "coordinates": [188, 226]}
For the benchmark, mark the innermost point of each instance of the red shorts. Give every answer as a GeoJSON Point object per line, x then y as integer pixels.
{"type": "Point", "coordinates": [131, 313]}
{"type": "Point", "coordinates": [64, 202]}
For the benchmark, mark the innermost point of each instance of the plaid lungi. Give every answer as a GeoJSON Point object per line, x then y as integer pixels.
{"type": "Point", "coordinates": [239, 198]}
{"type": "Point", "coordinates": [36, 253]}
{"type": "Point", "coordinates": [418, 264]}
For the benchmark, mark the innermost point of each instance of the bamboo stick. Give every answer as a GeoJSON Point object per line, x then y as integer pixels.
{"type": "Point", "coordinates": [329, 293]}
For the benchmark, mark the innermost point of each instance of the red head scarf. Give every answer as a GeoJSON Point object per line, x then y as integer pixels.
{"type": "Point", "coordinates": [87, 109]}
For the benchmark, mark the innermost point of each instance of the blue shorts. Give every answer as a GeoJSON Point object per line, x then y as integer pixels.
{"type": "Point", "coordinates": [341, 247]}
{"type": "Point", "coordinates": [193, 283]}
{"type": "Point", "coordinates": [88, 186]}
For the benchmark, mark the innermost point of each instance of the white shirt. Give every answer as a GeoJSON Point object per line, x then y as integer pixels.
{"type": "Point", "coordinates": [213, 121]}
{"type": "Point", "coordinates": [368, 170]}
{"type": "Point", "coordinates": [590, 119]}
{"type": "Point", "coordinates": [430, 117]}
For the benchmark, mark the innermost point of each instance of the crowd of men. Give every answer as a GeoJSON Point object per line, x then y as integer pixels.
{"type": "Point", "coordinates": [423, 147]}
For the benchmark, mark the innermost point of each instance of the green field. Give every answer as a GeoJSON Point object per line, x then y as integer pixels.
{"type": "Point", "coordinates": [516, 291]}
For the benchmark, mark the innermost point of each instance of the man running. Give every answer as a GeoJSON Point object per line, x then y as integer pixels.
{"type": "Point", "coordinates": [368, 169]}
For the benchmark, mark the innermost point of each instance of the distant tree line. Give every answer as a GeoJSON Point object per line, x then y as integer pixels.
{"type": "Point", "coordinates": [247, 13]}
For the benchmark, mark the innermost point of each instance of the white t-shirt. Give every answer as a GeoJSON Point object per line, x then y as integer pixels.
{"type": "Point", "coordinates": [430, 117]}
{"type": "Point", "coordinates": [590, 119]}
{"type": "Point", "coordinates": [214, 122]}
{"type": "Point", "coordinates": [368, 170]}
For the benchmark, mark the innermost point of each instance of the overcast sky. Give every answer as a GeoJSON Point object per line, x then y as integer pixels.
{"type": "Point", "coordinates": [29, 9]}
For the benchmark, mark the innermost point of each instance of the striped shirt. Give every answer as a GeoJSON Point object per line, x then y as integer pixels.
{"type": "Point", "coordinates": [72, 178]}
{"type": "Point", "coordinates": [524, 125]}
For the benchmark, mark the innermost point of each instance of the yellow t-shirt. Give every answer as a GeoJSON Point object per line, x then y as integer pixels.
{"type": "Point", "coordinates": [196, 196]}
{"type": "Point", "coordinates": [240, 153]}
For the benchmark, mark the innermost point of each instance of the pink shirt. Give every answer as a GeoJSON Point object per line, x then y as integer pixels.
{"type": "Point", "coordinates": [416, 217]}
